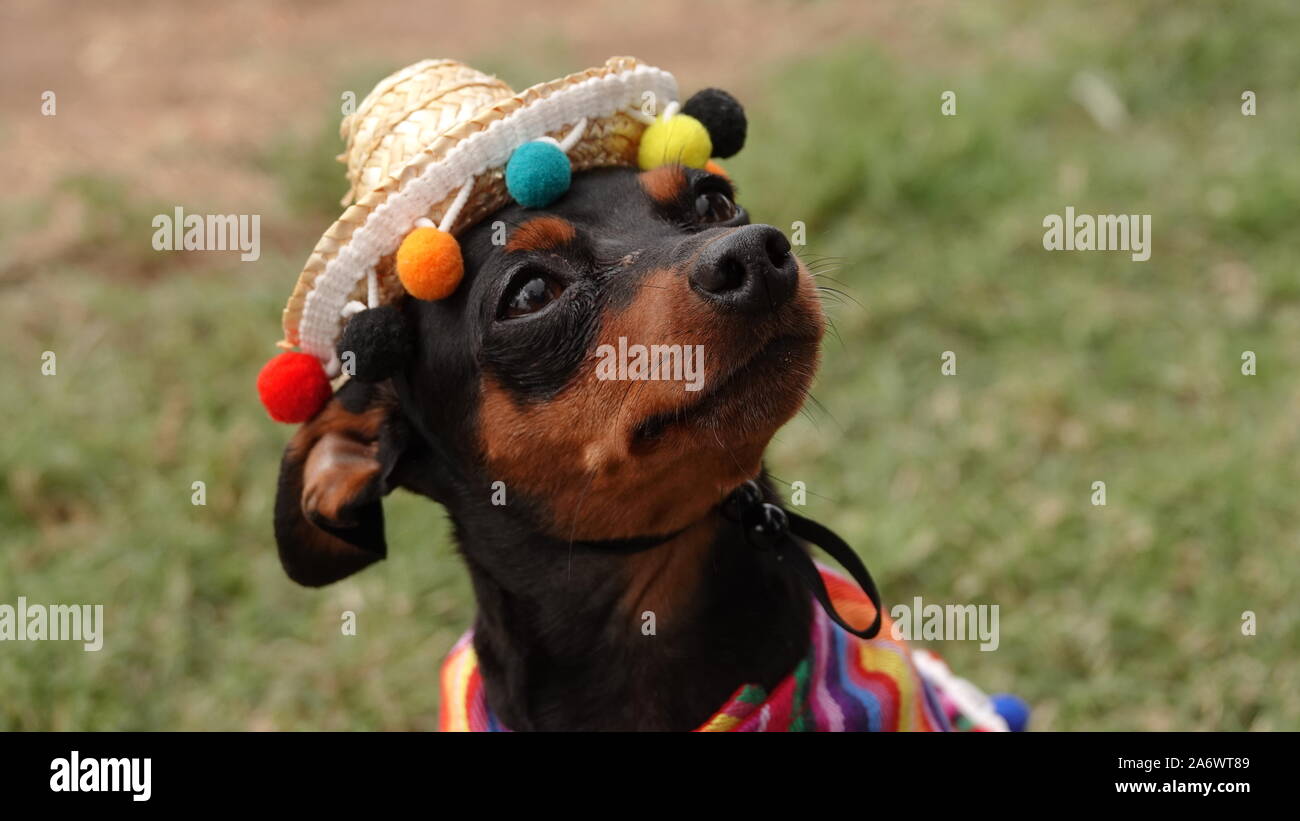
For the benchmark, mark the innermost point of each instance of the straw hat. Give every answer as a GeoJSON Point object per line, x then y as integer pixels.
{"type": "Point", "coordinates": [437, 147]}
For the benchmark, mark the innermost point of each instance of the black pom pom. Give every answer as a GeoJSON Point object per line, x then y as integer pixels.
{"type": "Point", "coordinates": [724, 118]}
{"type": "Point", "coordinates": [379, 341]}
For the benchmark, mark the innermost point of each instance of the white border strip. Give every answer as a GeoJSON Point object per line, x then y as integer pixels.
{"type": "Point", "coordinates": [968, 698]}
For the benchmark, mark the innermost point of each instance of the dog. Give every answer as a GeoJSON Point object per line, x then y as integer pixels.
{"type": "Point", "coordinates": [501, 388]}
{"type": "Point", "coordinates": [631, 562]}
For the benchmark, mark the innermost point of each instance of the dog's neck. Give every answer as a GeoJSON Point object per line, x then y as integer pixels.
{"type": "Point", "coordinates": [572, 638]}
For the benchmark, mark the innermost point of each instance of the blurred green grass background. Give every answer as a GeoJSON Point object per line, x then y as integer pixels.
{"type": "Point", "coordinates": [1072, 368]}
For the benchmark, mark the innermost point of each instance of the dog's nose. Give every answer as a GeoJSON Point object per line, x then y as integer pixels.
{"type": "Point", "coordinates": [750, 270]}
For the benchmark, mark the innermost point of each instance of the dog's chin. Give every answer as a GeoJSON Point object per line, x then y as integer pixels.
{"type": "Point", "coordinates": [745, 406]}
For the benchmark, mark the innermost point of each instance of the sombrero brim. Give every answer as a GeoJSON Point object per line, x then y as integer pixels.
{"type": "Point", "coordinates": [609, 98]}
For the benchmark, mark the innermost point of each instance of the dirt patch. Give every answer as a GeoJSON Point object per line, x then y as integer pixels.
{"type": "Point", "coordinates": [175, 98]}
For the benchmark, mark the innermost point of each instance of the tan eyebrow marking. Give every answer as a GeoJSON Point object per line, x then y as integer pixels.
{"type": "Point", "coordinates": [664, 184]}
{"type": "Point", "coordinates": [540, 234]}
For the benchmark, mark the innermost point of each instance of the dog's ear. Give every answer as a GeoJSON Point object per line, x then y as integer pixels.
{"type": "Point", "coordinates": [329, 520]}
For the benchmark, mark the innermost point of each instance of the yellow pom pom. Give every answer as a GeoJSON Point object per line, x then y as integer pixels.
{"type": "Point", "coordinates": [429, 263]}
{"type": "Point", "coordinates": [679, 139]}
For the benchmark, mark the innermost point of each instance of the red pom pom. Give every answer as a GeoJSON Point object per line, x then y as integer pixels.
{"type": "Point", "coordinates": [293, 386]}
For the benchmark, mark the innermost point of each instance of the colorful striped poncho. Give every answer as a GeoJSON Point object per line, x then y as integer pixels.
{"type": "Point", "coordinates": [845, 684]}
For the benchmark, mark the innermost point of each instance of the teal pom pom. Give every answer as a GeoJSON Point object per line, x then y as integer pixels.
{"type": "Point", "coordinates": [538, 174]}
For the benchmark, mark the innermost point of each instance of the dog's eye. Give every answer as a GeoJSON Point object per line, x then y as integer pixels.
{"type": "Point", "coordinates": [529, 293]}
{"type": "Point", "coordinates": [714, 206]}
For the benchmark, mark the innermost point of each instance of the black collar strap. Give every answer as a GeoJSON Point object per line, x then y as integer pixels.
{"type": "Point", "coordinates": [771, 529]}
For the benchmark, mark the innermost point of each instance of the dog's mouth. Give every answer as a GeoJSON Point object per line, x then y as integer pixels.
{"type": "Point", "coordinates": [756, 396]}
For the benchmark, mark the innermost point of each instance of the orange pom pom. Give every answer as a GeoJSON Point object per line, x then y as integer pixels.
{"type": "Point", "coordinates": [429, 263]}
{"type": "Point", "coordinates": [714, 168]}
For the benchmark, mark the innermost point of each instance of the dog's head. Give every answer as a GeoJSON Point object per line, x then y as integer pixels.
{"type": "Point", "coordinates": [618, 361]}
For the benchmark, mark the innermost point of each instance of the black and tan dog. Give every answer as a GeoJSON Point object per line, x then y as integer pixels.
{"type": "Point", "coordinates": [500, 386]}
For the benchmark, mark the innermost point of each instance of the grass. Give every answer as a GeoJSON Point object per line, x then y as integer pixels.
{"type": "Point", "coordinates": [1072, 368]}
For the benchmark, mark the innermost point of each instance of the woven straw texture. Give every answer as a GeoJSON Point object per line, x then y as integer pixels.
{"type": "Point", "coordinates": [405, 113]}
{"type": "Point", "coordinates": [410, 121]}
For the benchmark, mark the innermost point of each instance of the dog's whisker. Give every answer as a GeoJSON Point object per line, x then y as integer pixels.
{"type": "Point", "coordinates": [823, 265]}
{"type": "Point", "coordinates": [779, 480]}
{"type": "Point", "coordinates": [823, 271]}
{"type": "Point", "coordinates": [835, 331]}
{"type": "Point", "coordinates": [829, 290]}
{"type": "Point", "coordinates": [828, 296]}
{"type": "Point", "coordinates": [717, 436]}
{"type": "Point", "coordinates": [826, 411]}
{"type": "Point", "coordinates": [829, 278]}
